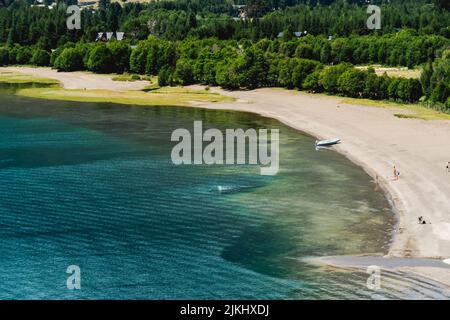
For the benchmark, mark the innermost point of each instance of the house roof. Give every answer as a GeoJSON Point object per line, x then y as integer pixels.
{"type": "Point", "coordinates": [295, 33]}
{"type": "Point", "coordinates": [119, 36]}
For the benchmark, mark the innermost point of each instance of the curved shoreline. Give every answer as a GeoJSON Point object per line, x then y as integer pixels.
{"type": "Point", "coordinates": [395, 200]}
{"type": "Point", "coordinates": [374, 139]}
{"type": "Point", "coordinates": [416, 193]}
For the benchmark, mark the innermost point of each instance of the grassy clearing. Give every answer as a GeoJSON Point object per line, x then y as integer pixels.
{"type": "Point", "coordinates": [133, 77]}
{"type": "Point", "coordinates": [22, 78]}
{"type": "Point", "coordinates": [412, 111]}
{"type": "Point", "coordinates": [151, 96]}
{"type": "Point", "coordinates": [172, 96]}
{"type": "Point", "coordinates": [402, 72]}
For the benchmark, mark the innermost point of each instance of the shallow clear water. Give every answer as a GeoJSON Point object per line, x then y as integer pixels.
{"type": "Point", "coordinates": [93, 185]}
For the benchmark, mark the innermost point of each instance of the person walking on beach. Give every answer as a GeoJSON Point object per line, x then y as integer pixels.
{"type": "Point", "coordinates": [396, 173]}
{"type": "Point", "coordinates": [448, 166]}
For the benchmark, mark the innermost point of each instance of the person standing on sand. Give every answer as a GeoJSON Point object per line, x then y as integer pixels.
{"type": "Point", "coordinates": [448, 166]}
{"type": "Point", "coordinates": [395, 172]}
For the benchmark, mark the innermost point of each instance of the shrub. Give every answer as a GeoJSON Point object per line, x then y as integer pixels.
{"type": "Point", "coordinates": [40, 58]}
{"type": "Point", "coordinates": [13, 54]}
{"type": "Point", "coordinates": [23, 55]}
{"type": "Point", "coordinates": [372, 85]}
{"type": "Point", "coordinates": [302, 68]}
{"type": "Point", "coordinates": [57, 52]}
{"type": "Point", "coordinates": [352, 82]}
{"type": "Point", "coordinates": [165, 76]}
{"type": "Point", "coordinates": [70, 59]}
{"type": "Point", "coordinates": [285, 73]}
{"type": "Point", "coordinates": [440, 93]}
{"type": "Point", "coordinates": [138, 59]}
{"type": "Point", "coordinates": [100, 59]}
{"type": "Point", "coordinates": [251, 69]}
{"type": "Point", "coordinates": [409, 90]}
{"type": "Point", "coordinates": [183, 72]}
{"type": "Point", "coordinates": [393, 89]}
{"type": "Point", "coordinates": [4, 56]}
{"type": "Point", "coordinates": [226, 75]}
{"type": "Point", "coordinates": [304, 51]}
{"type": "Point", "coordinates": [312, 82]}
{"type": "Point", "coordinates": [120, 53]}
{"type": "Point", "coordinates": [329, 77]}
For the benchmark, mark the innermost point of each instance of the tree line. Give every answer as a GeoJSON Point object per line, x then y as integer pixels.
{"type": "Point", "coordinates": [203, 41]}
{"type": "Point", "coordinates": [405, 48]}
{"type": "Point", "coordinates": [175, 20]}
{"type": "Point", "coordinates": [293, 64]}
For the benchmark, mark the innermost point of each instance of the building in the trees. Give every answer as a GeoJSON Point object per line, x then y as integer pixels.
{"type": "Point", "coordinates": [107, 36]}
{"type": "Point", "coordinates": [297, 34]}
{"type": "Point", "coordinates": [40, 4]}
{"type": "Point", "coordinates": [241, 12]}
{"type": "Point", "coordinates": [87, 4]}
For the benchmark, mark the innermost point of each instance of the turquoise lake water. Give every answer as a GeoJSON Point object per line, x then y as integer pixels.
{"type": "Point", "coordinates": [93, 185]}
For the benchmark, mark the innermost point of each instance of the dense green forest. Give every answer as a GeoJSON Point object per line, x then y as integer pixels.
{"type": "Point", "coordinates": [175, 20]}
{"type": "Point", "coordinates": [215, 42]}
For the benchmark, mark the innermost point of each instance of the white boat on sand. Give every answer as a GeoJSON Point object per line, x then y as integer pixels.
{"type": "Point", "coordinates": [327, 143]}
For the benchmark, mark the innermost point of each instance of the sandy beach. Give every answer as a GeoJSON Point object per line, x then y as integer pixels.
{"type": "Point", "coordinates": [80, 80]}
{"type": "Point", "coordinates": [372, 137]}
{"type": "Point", "coordinates": [376, 140]}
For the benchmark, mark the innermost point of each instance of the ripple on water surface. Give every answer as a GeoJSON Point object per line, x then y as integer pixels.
{"type": "Point", "coordinates": [93, 185]}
